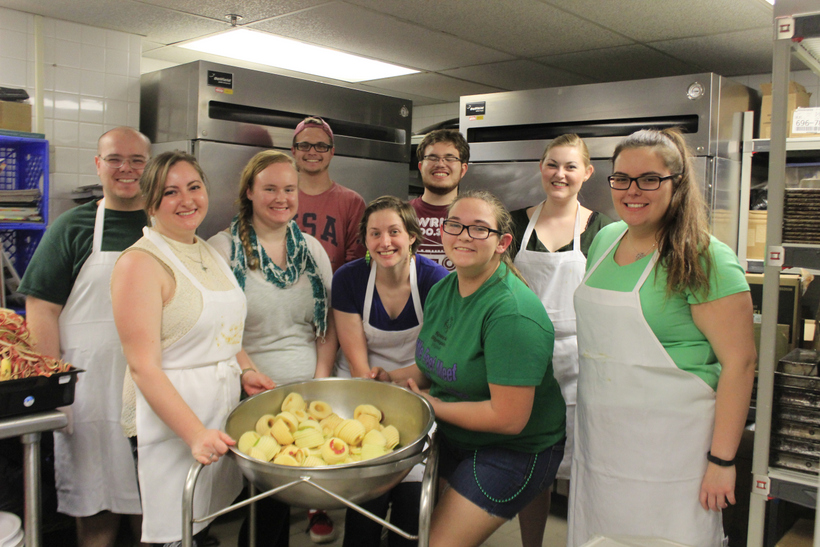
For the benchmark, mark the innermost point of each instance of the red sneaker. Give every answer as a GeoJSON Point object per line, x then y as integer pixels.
{"type": "Point", "coordinates": [320, 527]}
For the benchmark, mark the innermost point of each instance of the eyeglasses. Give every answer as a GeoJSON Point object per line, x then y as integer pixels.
{"type": "Point", "coordinates": [432, 158]}
{"type": "Point", "coordinates": [473, 230]}
{"type": "Point", "coordinates": [116, 162]}
{"type": "Point", "coordinates": [320, 147]}
{"type": "Point", "coordinates": [646, 182]}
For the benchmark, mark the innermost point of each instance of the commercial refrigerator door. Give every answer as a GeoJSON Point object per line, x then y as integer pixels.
{"type": "Point", "coordinates": [223, 163]}
{"type": "Point", "coordinates": [518, 185]}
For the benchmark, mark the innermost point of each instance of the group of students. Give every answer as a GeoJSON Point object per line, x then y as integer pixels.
{"type": "Point", "coordinates": [662, 366]}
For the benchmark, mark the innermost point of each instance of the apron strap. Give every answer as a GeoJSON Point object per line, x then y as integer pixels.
{"type": "Point", "coordinates": [576, 232]}
{"type": "Point", "coordinates": [414, 292]}
{"type": "Point", "coordinates": [646, 271]}
{"type": "Point", "coordinates": [99, 223]}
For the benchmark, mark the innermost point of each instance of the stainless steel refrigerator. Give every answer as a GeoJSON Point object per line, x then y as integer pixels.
{"type": "Point", "coordinates": [224, 115]}
{"type": "Point", "coordinates": [508, 132]}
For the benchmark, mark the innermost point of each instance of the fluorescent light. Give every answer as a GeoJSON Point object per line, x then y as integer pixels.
{"type": "Point", "coordinates": [267, 49]}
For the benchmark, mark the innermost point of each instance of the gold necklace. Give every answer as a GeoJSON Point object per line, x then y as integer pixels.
{"type": "Point", "coordinates": [201, 260]}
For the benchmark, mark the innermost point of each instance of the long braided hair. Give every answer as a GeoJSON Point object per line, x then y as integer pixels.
{"type": "Point", "coordinates": [258, 163]}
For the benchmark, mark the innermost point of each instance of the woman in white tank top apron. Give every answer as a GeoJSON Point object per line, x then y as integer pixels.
{"type": "Point", "coordinates": [186, 390]}
{"type": "Point", "coordinates": [553, 272]}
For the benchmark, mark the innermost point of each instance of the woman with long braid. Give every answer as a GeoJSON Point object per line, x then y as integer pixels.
{"type": "Point", "coordinates": [286, 275]}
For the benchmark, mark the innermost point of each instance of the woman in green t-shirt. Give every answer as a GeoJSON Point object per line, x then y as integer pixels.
{"type": "Point", "coordinates": [667, 358]}
{"type": "Point", "coordinates": [485, 354]}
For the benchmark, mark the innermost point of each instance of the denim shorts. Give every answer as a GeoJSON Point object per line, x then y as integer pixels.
{"type": "Point", "coordinates": [500, 481]}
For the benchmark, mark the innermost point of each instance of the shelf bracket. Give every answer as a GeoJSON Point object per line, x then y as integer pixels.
{"type": "Point", "coordinates": [761, 485]}
{"type": "Point", "coordinates": [775, 255]}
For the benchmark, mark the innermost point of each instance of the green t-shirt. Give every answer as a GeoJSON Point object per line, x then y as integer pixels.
{"type": "Point", "coordinates": [670, 318]}
{"type": "Point", "coordinates": [66, 245]}
{"type": "Point", "coordinates": [502, 335]}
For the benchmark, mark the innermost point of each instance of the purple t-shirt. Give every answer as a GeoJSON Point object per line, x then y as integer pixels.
{"type": "Point", "coordinates": [350, 284]}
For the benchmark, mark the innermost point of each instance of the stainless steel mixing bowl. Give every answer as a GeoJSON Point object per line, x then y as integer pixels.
{"type": "Point", "coordinates": [357, 482]}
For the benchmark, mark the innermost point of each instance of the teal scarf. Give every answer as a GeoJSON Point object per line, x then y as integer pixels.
{"type": "Point", "coordinates": [299, 261]}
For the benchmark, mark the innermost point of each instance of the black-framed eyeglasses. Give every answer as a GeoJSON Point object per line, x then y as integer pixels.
{"type": "Point", "coordinates": [646, 183]}
{"type": "Point", "coordinates": [432, 158]}
{"type": "Point", "coordinates": [116, 162]}
{"type": "Point", "coordinates": [475, 231]}
{"type": "Point", "coordinates": [320, 147]}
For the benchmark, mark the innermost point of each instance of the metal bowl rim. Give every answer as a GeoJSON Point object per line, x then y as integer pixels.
{"type": "Point", "coordinates": [374, 462]}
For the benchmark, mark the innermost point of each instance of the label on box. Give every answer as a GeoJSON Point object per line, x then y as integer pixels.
{"type": "Point", "coordinates": [806, 120]}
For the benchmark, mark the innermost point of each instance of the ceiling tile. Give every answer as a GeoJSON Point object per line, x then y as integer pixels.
{"type": "Point", "coordinates": [158, 24]}
{"type": "Point", "coordinates": [516, 75]}
{"type": "Point", "coordinates": [250, 10]}
{"type": "Point", "coordinates": [365, 32]}
{"type": "Point", "coordinates": [730, 54]}
{"type": "Point", "coordinates": [658, 20]}
{"type": "Point", "coordinates": [527, 28]}
{"type": "Point", "coordinates": [620, 63]}
{"type": "Point", "coordinates": [434, 86]}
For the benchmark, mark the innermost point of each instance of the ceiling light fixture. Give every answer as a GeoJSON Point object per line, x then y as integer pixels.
{"type": "Point", "coordinates": [268, 49]}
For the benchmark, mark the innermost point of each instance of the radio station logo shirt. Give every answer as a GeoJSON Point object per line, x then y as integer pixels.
{"type": "Point", "coordinates": [430, 219]}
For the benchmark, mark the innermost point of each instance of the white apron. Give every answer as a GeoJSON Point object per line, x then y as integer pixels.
{"type": "Point", "coordinates": [643, 427]}
{"type": "Point", "coordinates": [202, 367]}
{"type": "Point", "coordinates": [390, 349]}
{"type": "Point", "coordinates": [554, 278]}
{"type": "Point", "coordinates": [94, 467]}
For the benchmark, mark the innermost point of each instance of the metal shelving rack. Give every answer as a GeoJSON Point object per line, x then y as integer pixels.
{"type": "Point", "coordinates": [796, 30]}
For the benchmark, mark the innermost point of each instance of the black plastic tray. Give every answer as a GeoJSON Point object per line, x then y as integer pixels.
{"type": "Point", "coordinates": [37, 393]}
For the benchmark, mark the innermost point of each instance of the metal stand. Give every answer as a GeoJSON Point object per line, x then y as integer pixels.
{"type": "Point", "coordinates": [29, 428]}
{"type": "Point", "coordinates": [428, 490]}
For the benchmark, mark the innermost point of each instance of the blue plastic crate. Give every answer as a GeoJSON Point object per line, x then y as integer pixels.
{"type": "Point", "coordinates": [25, 166]}
{"type": "Point", "coordinates": [19, 246]}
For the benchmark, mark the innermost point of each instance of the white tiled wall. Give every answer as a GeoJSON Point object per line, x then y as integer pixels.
{"type": "Point", "coordinates": [91, 84]}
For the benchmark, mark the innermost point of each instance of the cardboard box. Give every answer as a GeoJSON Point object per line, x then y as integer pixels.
{"type": "Point", "coordinates": [15, 116]}
{"type": "Point", "coordinates": [788, 312]}
{"type": "Point", "coordinates": [798, 98]}
{"type": "Point", "coordinates": [756, 235]}
{"type": "Point", "coordinates": [800, 535]}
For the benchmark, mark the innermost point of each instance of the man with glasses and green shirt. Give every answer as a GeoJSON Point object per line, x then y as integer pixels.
{"type": "Point", "coordinates": [327, 210]}
{"type": "Point", "coordinates": [68, 311]}
{"type": "Point", "coordinates": [443, 157]}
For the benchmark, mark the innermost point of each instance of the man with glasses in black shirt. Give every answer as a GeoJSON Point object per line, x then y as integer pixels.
{"type": "Point", "coordinates": [443, 157]}
{"type": "Point", "coordinates": [327, 210]}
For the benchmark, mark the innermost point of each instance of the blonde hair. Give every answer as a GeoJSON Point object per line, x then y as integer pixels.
{"type": "Point", "coordinates": [571, 140]}
{"type": "Point", "coordinates": [256, 165]}
{"type": "Point", "coordinates": [683, 237]}
{"type": "Point", "coordinates": [503, 221]}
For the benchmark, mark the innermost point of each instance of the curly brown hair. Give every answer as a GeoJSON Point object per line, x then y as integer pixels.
{"type": "Point", "coordinates": [402, 208]}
